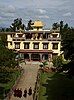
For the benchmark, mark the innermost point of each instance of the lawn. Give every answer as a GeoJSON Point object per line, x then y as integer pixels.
{"type": "Point", "coordinates": [56, 86]}
{"type": "Point", "coordinates": [6, 86]}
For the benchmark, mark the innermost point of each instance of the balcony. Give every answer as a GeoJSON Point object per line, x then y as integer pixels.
{"type": "Point", "coordinates": [43, 39]}
{"type": "Point", "coordinates": [54, 39]}
{"type": "Point", "coordinates": [19, 39]}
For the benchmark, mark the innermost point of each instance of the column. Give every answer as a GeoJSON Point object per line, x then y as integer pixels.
{"type": "Point", "coordinates": [30, 56]}
{"type": "Point", "coordinates": [41, 36]}
{"type": "Point", "coordinates": [50, 57]}
{"type": "Point", "coordinates": [36, 35]}
{"type": "Point", "coordinates": [32, 36]}
{"type": "Point", "coordinates": [40, 57]}
{"type": "Point", "coordinates": [21, 55]}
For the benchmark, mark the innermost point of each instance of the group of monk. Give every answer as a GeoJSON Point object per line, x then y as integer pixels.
{"type": "Point", "coordinates": [18, 92]}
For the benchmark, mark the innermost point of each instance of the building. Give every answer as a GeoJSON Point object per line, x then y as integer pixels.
{"type": "Point", "coordinates": [36, 44]}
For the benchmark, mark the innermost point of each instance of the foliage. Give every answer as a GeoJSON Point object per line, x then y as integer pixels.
{"type": "Point", "coordinates": [55, 26]}
{"type": "Point", "coordinates": [68, 43]}
{"type": "Point", "coordinates": [56, 86]}
{"type": "Point", "coordinates": [7, 80]}
{"type": "Point", "coordinates": [29, 27]}
{"type": "Point", "coordinates": [3, 39]}
{"type": "Point", "coordinates": [7, 57]}
{"type": "Point", "coordinates": [57, 61]}
{"type": "Point", "coordinates": [43, 64]}
{"type": "Point", "coordinates": [17, 24]}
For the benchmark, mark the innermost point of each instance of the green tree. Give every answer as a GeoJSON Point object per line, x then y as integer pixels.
{"type": "Point", "coordinates": [17, 24]}
{"type": "Point", "coordinates": [3, 39]}
{"type": "Point", "coordinates": [55, 26]}
{"type": "Point", "coordinates": [29, 27]}
{"type": "Point", "coordinates": [57, 61]}
{"type": "Point", "coordinates": [7, 57]}
{"type": "Point", "coordinates": [67, 38]}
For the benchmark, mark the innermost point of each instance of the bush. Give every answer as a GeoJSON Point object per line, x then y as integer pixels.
{"type": "Point", "coordinates": [58, 61]}
{"type": "Point", "coordinates": [45, 63]}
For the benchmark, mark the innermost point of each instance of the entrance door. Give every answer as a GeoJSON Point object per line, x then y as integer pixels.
{"type": "Point", "coordinates": [45, 57]}
{"type": "Point", "coordinates": [35, 57]}
{"type": "Point", "coordinates": [26, 56]}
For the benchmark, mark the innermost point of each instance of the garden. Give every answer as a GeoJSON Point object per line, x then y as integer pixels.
{"type": "Point", "coordinates": [8, 77]}
{"type": "Point", "coordinates": [56, 86]}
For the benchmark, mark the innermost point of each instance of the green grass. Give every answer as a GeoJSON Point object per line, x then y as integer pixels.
{"type": "Point", "coordinates": [7, 86]}
{"type": "Point", "coordinates": [56, 86]}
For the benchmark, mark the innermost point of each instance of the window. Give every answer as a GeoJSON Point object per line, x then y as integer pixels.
{"type": "Point", "coordinates": [20, 35]}
{"type": "Point", "coordinates": [10, 43]}
{"type": "Point", "coordinates": [36, 46]}
{"type": "Point", "coordinates": [17, 45]}
{"type": "Point", "coordinates": [26, 45]}
{"type": "Point", "coordinates": [54, 35]}
{"type": "Point", "coordinates": [45, 45]}
{"type": "Point", "coordinates": [55, 46]}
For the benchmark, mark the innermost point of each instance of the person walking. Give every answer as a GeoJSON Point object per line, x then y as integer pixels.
{"type": "Point", "coordinates": [25, 93]}
{"type": "Point", "coordinates": [15, 92]}
{"type": "Point", "coordinates": [30, 91]}
{"type": "Point", "coordinates": [20, 93]}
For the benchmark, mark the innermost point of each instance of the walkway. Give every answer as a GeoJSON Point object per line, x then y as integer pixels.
{"type": "Point", "coordinates": [27, 80]}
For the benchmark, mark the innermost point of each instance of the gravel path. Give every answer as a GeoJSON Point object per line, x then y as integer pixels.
{"type": "Point", "coordinates": [27, 80]}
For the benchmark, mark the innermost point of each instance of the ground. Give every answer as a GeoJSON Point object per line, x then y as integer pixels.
{"type": "Point", "coordinates": [28, 79]}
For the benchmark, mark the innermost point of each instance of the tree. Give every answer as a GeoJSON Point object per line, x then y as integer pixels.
{"type": "Point", "coordinates": [3, 39]}
{"type": "Point", "coordinates": [55, 26]}
{"type": "Point", "coordinates": [57, 61]}
{"type": "Point", "coordinates": [7, 57]}
{"type": "Point", "coordinates": [17, 24]}
{"type": "Point", "coordinates": [29, 27]}
{"type": "Point", "coordinates": [67, 38]}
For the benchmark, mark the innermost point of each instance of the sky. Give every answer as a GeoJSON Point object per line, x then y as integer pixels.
{"type": "Point", "coordinates": [48, 11]}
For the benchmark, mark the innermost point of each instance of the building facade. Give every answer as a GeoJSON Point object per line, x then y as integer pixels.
{"type": "Point", "coordinates": [36, 44]}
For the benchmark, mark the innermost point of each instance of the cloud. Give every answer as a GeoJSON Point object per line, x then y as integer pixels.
{"type": "Point", "coordinates": [11, 9]}
{"type": "Point", "coordinates": [42, 11]}
{"type": "Point", "coordinates": [49, 11]}
{"type": "Point", "coordinates": [43, 16]}
{"type": "Point", "coordinates": [67, 14]}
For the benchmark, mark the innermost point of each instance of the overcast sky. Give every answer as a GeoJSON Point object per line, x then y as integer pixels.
{"type": "Point", "coordinates": [49, 11]}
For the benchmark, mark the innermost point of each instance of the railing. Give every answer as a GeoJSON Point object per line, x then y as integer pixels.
{"type": "Point", "coordinates": [47, 39]}
{"type": "Point", "coordinates": [18, 39]}
{"type": "Point", "coordinates": [54, 39]}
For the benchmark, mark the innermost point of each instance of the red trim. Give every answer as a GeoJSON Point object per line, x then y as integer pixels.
{"type": "Point", "coordinates": [35, 51]}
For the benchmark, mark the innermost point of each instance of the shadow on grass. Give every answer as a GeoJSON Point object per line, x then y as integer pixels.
{"type": "Point", "coordinates": [59, 87]}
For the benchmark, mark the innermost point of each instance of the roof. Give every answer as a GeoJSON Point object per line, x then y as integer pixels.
{"type": "Point", "coordinates": [38, 24]}
{"type": "Point", "coordinates": [35, 51]}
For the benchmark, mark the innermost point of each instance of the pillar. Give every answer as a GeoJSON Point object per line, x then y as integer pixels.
{"type": "Point", "coordinates": [30, 56]}
{"type": "Point", "coordinates": [40, 57]}
{"type": "Point", "coordinates": [50, 57]}
{"type": "Point", "coordinates": [41, 36]}
{"type": "Point", "coordinates": [21, 55]}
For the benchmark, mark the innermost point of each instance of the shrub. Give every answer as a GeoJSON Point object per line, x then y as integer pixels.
{"type": "Point", "coordinates": [57, 61]}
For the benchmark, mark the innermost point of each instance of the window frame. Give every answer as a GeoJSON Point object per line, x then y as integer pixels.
{"type": "Point", "coordinates": [18, 45]}
{"type": "Point", "coordinates": [35, 44]}
{"type": "Point", "coordinates": [45, 45]}
{"type": "Point", "coordinates": [27, 46]}
{"type": "Point", "coordinates": [53, 46]}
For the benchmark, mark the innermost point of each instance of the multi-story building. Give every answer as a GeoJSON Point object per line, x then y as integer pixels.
{"type": "Point", "coordinates": [36, 44]}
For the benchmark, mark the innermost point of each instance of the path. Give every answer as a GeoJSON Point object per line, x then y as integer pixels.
{"type": "Point", "coordinates": [27, 80]}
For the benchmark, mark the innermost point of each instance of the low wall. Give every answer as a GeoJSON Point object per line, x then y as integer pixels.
{"type": "Point", "coordinates": [37, 85]}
